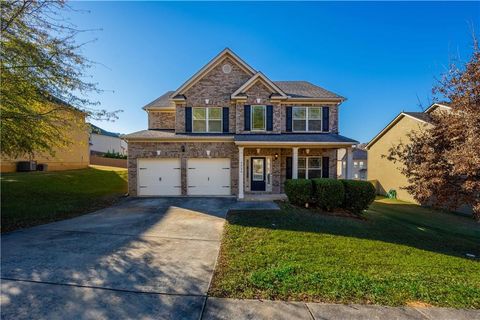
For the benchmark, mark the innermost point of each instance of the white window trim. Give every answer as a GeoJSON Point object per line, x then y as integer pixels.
{"type": "Point", "coordinates": [307, 113]}
{"type": "Point", "coordinates": [207, 129]}
{"type": "Point", "coordinates": [306, 165]}
{"type": "Point", "coordinates": [264, 118]}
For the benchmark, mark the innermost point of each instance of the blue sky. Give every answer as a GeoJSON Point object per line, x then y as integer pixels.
{"type": "Point", "coordinates": [383, 57]}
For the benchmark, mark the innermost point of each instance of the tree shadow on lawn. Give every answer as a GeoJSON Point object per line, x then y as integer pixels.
{"type": "Point", "coordinates": [120, 250]}
{"type": "Point", "coordinates": [398, 223]}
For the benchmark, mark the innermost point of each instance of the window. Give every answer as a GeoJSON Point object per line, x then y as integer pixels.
{"type": "Point", "coordinates": [355, 164]}
{"type": "Point", "coordinates": [307, 119]}
{"type": "Point", "coordinates": [207, 119]}
{"type": "Point", "coordinates": [361, 164]}
{"type": "Point", "coordinates": [258, 118]}
{"type": "Point", "coordinates": [309, 168]}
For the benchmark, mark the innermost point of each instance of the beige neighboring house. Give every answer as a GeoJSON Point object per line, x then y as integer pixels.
{"type": "Point", "coordinates": [383, 173]}
{"type": "Point", "coordinates": [231, 131]}
{"type": "Point", "coordinates": [74, 156]}
{"type": "Point", "coordinates": [360, 163]}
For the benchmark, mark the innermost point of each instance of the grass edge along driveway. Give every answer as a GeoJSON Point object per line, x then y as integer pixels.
{"type": "Point", "coordinates": [402, 254]}
{"type": "Point", "coordinates": [33, 198]}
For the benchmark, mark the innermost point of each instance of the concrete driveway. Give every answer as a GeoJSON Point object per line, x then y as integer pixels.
{"type": "Point", "coordinates": [144, 258]}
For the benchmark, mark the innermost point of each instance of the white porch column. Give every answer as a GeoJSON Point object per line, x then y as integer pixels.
{"type": "Point", "coordinates": [349, 168]}
{"type": "Point", "coordinates": [295, 163]}
{"type": "Point", "coordinates": [240, 173]}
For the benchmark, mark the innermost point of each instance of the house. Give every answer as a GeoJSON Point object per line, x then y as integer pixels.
{"type": "Point", "coordinates": [360, 163]}
{"type": "Point", "coordinates": [385, 174]}
{"type": "Point", "coordinates": [72, 156]}
{"type": "Point", "coordinates": [230, 130]}
{"type": "Point", "coordinates": [102, 141]}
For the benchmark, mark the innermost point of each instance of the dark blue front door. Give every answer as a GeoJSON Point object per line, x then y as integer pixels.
{"type": "Point", "coordinates": [258, 174]}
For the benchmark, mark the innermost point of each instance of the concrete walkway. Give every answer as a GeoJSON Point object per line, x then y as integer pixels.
{"type": "Point", "coordinates": [145, 259]}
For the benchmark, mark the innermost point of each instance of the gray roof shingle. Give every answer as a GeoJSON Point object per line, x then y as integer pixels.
{"type": "Point", "coordinates": [284, 137]}
{"type": "Point", "coordinates": [161, 102]}
{"type": "Point", "coordinates": [419, 115]}
{"type": "Point", "coordinates": [305, 89]}
{"type": "Point", "coordinates": [296, 137]}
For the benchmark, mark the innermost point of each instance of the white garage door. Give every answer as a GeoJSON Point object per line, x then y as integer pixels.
{"type": "Point", "coordinates": [208, 177]}
{"type": "Point", "coordinates": [159, 177]}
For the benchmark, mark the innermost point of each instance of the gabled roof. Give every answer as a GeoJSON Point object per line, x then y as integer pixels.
{"type": "Point", "coordinates": [422, 117]}
{"type": "Point", "coordinates": [100, 131]}
{"type": "Point", "coordinates": [210, 65]}
{"type": "Point", "coordinates": [435, 106]}
{"type": "Point", "coordinates": [306, 90]}
{"type": "Point", "coordinates": [254, 79]}
{"type": "Point", "coordinates": [359, 154]}
{"type": "Point", "coordinates": [161, 103]}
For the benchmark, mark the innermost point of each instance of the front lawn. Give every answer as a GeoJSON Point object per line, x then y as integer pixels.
{"type": "Point", "coordinates": [33, 198]}
{"type": "Point", "coordinates": [401, 254]}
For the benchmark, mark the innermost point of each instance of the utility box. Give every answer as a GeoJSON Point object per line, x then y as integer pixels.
{"type": "Point", "coordinates": [25, 166]}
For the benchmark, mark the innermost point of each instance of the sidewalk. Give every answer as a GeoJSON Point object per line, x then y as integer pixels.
{"type": "Point", "coordinates": [219, 308]}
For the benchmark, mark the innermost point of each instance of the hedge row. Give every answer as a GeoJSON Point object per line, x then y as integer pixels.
{"type": "Point", "coordinates": [328, 194]}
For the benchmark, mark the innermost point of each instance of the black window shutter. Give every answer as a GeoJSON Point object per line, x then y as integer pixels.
{"type": "Point", "coordinates": [325, 167]}
{"type": "Point", "coordinates": [246, 114]}
{"type": "Point", "coordinates": [289, 167]}
{"type": "Point", "coordinates": [269, 118]}
{"type": "Point", "coordinates": [188, 119]}
{"type": "Point", "coordinates": [226, 118]}
{"type": "Point", "coordinates": [325, 119]}
{"type": "Point", "coordinates": [289, 119]}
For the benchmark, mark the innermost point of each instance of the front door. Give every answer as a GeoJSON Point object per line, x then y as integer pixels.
{"type": "Point", "coordinates": [258, 174]}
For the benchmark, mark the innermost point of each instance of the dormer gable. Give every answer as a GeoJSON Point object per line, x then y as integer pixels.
{"type": "Point", "coordinates": [259, 78]}
{"type": "Point", "coordinates": [228, 57]}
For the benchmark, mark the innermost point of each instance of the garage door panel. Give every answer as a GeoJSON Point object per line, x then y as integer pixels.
{"type": "Point", "coordinates": [208, 176]}
{"type": "Point", "coordinates": [159, 177]}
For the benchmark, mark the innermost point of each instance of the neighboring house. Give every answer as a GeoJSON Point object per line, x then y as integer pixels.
{"type": "Point", "coordinates": [360, 163]}
{"type": "Point", "coordinates": [384, 173]}
{"type": "Point", "coordinates": [74, 156]}
{"type": "Point", "coordinates": [102, 141]}
{"type": "Point", "coordinates": [229, 130]}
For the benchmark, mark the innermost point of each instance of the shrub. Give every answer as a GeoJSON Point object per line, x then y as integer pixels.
{"type": "Point", "coordinates": [358, 195]}
{"type": "Point", "coordinates": [299, 191]}
{"type": "Point", "coordinates": [328, 194]}
{"type": "Point", "coordinates": [114, 155]}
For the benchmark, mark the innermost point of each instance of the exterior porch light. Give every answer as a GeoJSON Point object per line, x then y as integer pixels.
{"type": "Point", "coordinates": [258, 100]}
{"type": "Point", "coordinates": [158, 152]}
{"type": "Point", "coordinates": [207, 101]}
{"type": "Point", "coordinates": [208, 153]}
{"type": "Point", "coordinates": [276, 156]}
{"type": "Point", "coordinates": [307, 151]}
{"type": "Point", "coordinates": [183, 148]}
{"type": "Point", "coordinates": [258, 151]}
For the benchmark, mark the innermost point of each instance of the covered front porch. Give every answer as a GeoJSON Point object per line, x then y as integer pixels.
{"type": "Point", "coordinates": [264, 167]}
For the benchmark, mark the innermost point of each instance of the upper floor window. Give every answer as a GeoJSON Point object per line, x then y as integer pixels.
{"type": "Point", "coordinates": [309, 168]}
{"type": "Point", "coordinates": [207, 119]}
{"type": "Point", "coordinates": [355, 164]}
{"type": "Point", "coordinates": [307, 119]}
{"type": "Point", "coordinates": [361, 164]}
{"type": "Point", "coordinates": [258, 118]}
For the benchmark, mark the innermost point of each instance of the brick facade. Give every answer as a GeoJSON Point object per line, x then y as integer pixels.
{"type": "Point", "coordinates": [161, 120]}
{"type": "Point", "coordinates": [139, 150]}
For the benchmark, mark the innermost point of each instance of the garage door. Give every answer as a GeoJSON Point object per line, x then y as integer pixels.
{"type": "Point", "coordinates": [159, 177]}
{"type": "Point", "coordinates": [208, 177]}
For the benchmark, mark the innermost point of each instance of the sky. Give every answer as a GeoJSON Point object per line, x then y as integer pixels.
{"type": "Point", "coordinates": [383, 57]}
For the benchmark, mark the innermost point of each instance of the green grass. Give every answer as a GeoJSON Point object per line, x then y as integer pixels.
{"type": "Point", "coordinates": [34, 198]}
{"type": "Point", "coordinates": [400, 254]}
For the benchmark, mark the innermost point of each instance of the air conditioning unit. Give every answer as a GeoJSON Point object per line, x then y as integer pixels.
{"type": "Point", "coordinates": [25, 166]}
{"type": "Point", "coordinates": [42, 167]}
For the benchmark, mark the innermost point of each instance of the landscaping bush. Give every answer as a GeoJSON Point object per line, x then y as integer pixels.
{"type": "Point", "coordinates": [114, 155]}
{"type": "Point", "coordinates": [299, 191]}
{"type": "Point", "coordinates": [328, 194]}
{"type": "Point", "coordinates": [358, 195]}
